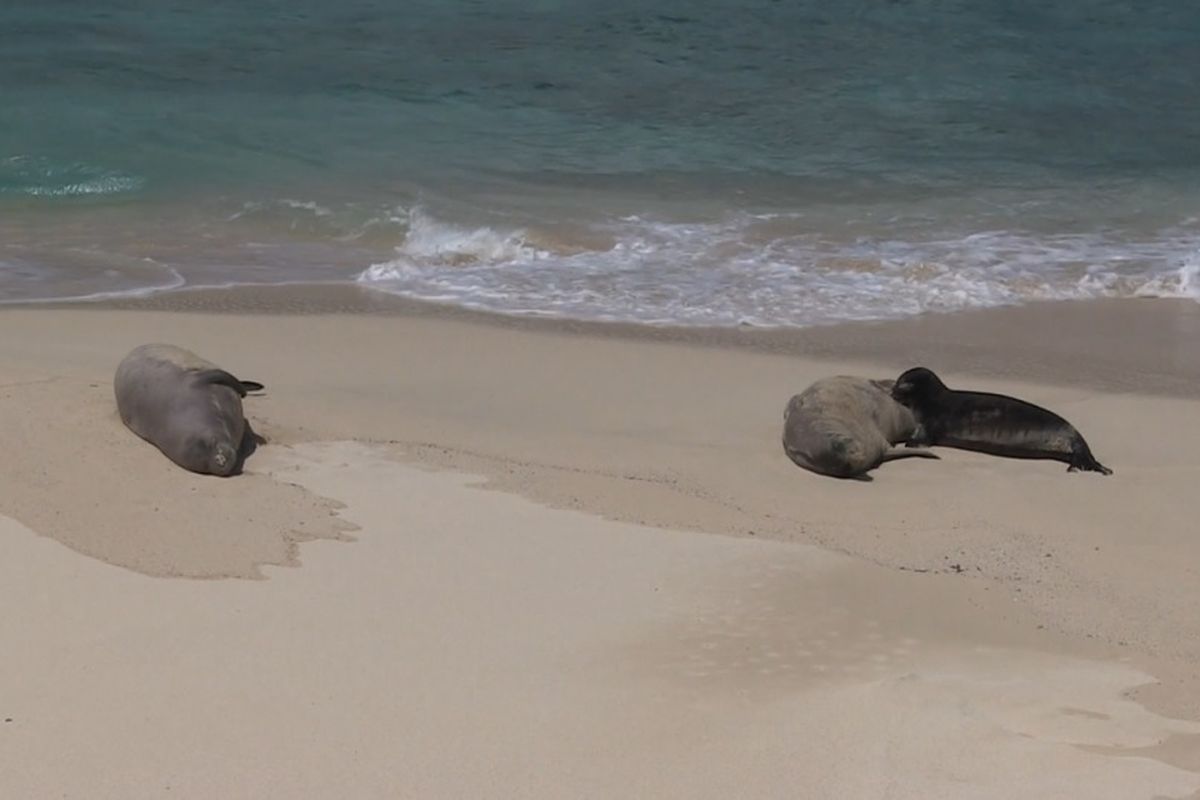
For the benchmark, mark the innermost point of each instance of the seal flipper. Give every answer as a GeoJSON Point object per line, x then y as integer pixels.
{"type": "Point", "coordinates": [919, 438]}
{"type": "Point", "coordinates": [1082, 459]}
{"type": "Point", "coordinates": [1090, 464]}
{"type": "Point", "coordinates": [893, 455]}
{"type": "Point", "coordinates": [224, 378]}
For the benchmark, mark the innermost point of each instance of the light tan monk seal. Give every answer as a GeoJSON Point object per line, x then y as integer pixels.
{"type": "Point", "coordinates": [187, 407]}
{"type": "Point", "coordinates": [990, 423]}
{"type": "Point", "coordinates": [845, 426]}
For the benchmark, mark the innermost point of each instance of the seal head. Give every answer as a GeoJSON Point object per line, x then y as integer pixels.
{"type": "Point", "coordinates": [918, 387]}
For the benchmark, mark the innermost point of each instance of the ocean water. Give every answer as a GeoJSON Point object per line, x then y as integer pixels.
{"type": "Point", "coordinates": [662, 161]}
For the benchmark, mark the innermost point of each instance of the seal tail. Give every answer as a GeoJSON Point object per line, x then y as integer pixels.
{"type": "Point", "coordinates": [1089, 465]}
{"type": "Point", "coordinates": [1082, 460]}
{"type": "Point", "coordinates": [220, 376]}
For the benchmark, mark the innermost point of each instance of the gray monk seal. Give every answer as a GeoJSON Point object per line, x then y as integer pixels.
{"type": "Point", "coordinates": [187, 407]}
{"type": "Point", "coordinates": [990, 423]}
{"type": "Point", "coordinates": [844, 426]}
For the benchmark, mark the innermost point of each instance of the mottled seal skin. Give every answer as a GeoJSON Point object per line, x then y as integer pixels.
{"type": "Point", "coordinates": [187, 407]}
{"type": "Point", "coordinates": [990, 423]}
{"type": "Point", "coordinates": [845, 426]}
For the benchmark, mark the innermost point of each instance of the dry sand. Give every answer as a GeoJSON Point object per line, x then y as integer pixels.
{"type": "Point", "coordinates": [964, 628]}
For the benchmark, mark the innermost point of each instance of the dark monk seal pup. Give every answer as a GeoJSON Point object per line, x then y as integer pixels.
{"type": "Point", "coordinates": [844, 426]}
{"type": "Point", "coordinates": [990, 423]}
{"type": "Point", "coordinates": [187, 407]}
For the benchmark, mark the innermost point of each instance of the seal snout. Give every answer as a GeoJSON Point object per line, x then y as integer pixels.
{"type": "Point", "coordinates": [223, 460]}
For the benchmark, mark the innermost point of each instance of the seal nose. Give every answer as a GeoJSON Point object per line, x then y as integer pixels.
{"type": "Point", "coordinates": [224, 459]}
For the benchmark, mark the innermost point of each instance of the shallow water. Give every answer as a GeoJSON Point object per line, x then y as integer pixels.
{"type": "Point", "coordinates": [690, 162]}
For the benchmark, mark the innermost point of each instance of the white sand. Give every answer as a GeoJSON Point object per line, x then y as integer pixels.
{"type": "Point", "coordinates": [963, 628]}
{"type": "Point", "coordinates": [473, 644]}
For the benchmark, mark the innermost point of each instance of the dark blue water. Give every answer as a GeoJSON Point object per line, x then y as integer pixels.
{"type": "Point", "coordinates": [720, 162]}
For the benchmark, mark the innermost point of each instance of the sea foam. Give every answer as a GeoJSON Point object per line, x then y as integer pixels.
{"type": "Point", "coordinates": [734, 273]}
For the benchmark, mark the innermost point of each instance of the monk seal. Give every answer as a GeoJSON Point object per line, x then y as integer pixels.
{"type": "Point", "coordinates": [844, 426]}
{"type": "Point", "coordinates": [990, 423]}
{"type": "Point", "coordinates": [187, 407]}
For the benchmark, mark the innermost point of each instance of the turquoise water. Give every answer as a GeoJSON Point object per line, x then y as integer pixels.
{"type": "Point", "coordinates": [772, 163]}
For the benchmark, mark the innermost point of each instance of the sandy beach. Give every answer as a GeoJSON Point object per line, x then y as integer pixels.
{"type": "Point", "coordinates": [490, 557]}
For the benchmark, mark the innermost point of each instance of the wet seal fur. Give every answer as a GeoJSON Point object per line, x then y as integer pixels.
{"type": "Point", "coordinates": [187, 407]}
{"type": "Point", "coordinates": [990, 423]}
{"type": "Point", "coordinates": [844, 426]}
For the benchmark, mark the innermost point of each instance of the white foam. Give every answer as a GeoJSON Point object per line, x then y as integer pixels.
{"type": "Point", "coordinates": [253, 207]}
{"type": "Point", "coordinates": [1181, 283]}
{"type": "Point", "coordinates": [429, 240]}
{"type": "Point", "coordinates": [114, 184]}
{"type": "Point", "coordinates": [306, 205]}
{"type": "Point", "coordinates": [732, 273]}
{"type": "Point", "coordinates": [42, 177]}
{"type": "Point", "coordinates": [762, 269]}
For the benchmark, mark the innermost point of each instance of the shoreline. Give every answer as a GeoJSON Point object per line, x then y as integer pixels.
{"type": "Point", "coordinates": [1134, 345]}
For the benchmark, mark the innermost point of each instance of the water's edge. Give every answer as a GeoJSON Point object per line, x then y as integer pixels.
{"type": "Point", "coordinates": [1137, 346]}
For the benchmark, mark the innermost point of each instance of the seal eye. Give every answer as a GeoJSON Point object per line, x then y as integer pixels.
{"type": "Point", "coordinates": [199, 453]}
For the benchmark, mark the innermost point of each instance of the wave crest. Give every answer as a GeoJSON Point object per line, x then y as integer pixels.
{"type": "Point", "coordinates": [33, 176]}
